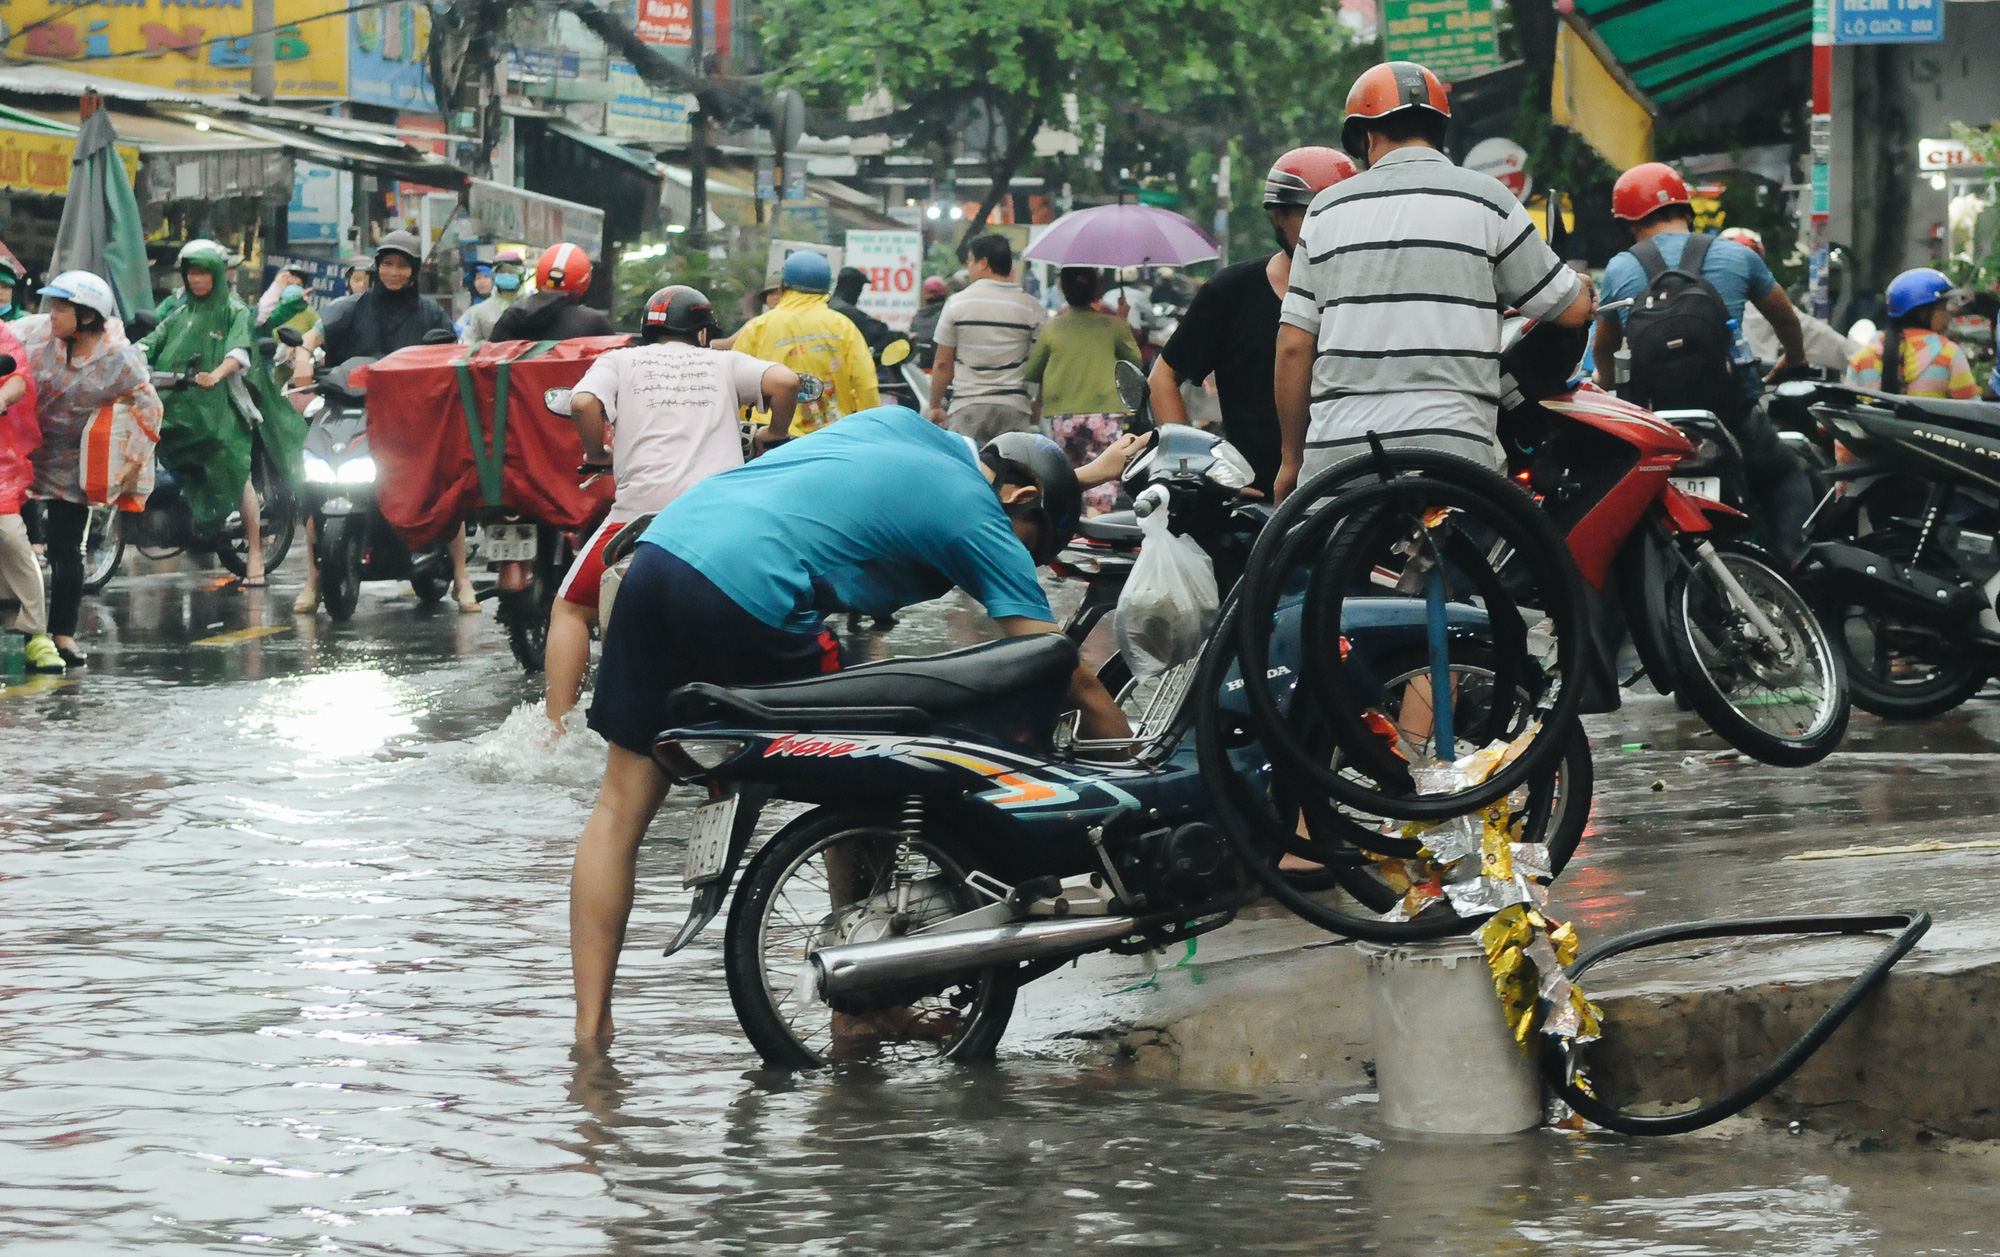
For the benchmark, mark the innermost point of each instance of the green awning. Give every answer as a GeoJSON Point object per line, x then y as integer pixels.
{"type": "Point", "coordinates": [611, 148]}
{"type": "Point", "coordinates": [1672, 50]}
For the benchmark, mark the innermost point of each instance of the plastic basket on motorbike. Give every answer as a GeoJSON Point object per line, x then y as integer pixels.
{"type": "Point", "coordinates": [459, 431]}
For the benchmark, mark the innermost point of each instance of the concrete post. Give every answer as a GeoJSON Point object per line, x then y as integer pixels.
{"type": "Point", "coordinates": [264, 50]}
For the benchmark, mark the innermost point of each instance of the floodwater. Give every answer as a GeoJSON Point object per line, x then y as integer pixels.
{"type": "Point", "coordinates": [283, 970]}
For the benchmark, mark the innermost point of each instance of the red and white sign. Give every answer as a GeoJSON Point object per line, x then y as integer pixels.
{"type": "Point", "coordinates": [669, 23]}
{"type": "Point", "coordinates": [1944, 155]}
{"type": "Point", "coordinates": [1503, 159]}
{"type": "Point", "coordinates": [893, 262]}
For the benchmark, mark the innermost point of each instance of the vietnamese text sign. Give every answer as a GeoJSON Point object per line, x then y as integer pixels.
{"type": "Point", "coordinates": [666, 22]}
{"type": "Point", "coordinates": [328, 278]}
{"type": "Point", "coordinates": [1945, 155]}
{"type": "Point", "coordinates": [184, 47]}
{"type": "Point", "coordinates": [39, 161]}
{"type": "Point", "coordinates": [1888, 21]}
{"type": "Point", "coordinates": [1451, 38]}
{"type": "Point", "coordinates": [386, 55]}
{"type": "Point", "coordinates": [639, 112]}
{"type": "Point", "coordinates": [892, 260]}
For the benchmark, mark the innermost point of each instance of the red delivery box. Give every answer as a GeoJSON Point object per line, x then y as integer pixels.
{"type": "Point", "coordinates": [455, 429]}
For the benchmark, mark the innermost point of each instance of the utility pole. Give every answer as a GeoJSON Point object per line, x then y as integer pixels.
{"type": "Point", "coordinates": [697, 227]}
{"type": "Point", "coordinates": [264, 50]}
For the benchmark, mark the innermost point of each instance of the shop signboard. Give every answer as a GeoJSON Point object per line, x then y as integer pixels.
{"type": "Point", "coordinates": [1888, 21]}
{"type": "Point", "coordinates": [185, 47]}
{"type": "Point", "coordinates": [893, 262]}
{"type": "Point", "coordinates": [668, 23]}
{"type": "Point", "coordinates": [329, 276]}
{"type": "Point", "coordinates": [39, 161]}
{"type": "Point", "coordinates": [538, 221]}
{"type": "Point", "coordinates": [1941, 156]}
{"type": "Point", "coordinates": [1454, 38]}
{"type": "Point", "coordinates": [640, 113]}
{"type": "Point", "coordinates": [386, 55]}
{"type": "Point", "coordinates": [314, 216]}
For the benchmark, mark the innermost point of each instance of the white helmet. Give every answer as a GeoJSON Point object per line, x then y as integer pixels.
{"type": "Point", "coordinates": [84, 289]}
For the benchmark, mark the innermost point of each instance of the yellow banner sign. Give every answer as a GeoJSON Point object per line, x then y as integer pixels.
{"type": "Point", "coordinates": [35, 161]}
{"type": "Point", "coordinates": [182, 45]}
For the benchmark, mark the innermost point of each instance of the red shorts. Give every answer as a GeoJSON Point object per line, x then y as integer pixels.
{"type": "Point", "coordinates": [580, 583]}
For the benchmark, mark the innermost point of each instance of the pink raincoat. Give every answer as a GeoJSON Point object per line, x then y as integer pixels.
{"type": "Point", "coordinates": [20, 433]}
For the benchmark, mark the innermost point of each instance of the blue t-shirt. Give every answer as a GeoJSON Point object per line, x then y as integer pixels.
{"type": "Point", "coordinates": [1738, 274]}
{"type": "Point", "coordinates": [871, 514]}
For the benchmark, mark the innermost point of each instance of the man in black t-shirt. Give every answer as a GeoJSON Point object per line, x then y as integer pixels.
{"type": "Point", "coordinates": [1231, 329]}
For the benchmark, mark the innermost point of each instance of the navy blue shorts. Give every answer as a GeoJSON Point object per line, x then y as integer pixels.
{"type": "Point", "coordinates": [671, 626]}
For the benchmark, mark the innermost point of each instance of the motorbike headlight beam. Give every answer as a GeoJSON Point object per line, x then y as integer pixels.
{"type": "Point", "coordinates": [357, 471]}
{"type": "Point", "coordinates": [318, 470]}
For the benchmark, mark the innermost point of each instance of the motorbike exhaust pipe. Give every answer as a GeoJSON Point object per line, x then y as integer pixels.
{"type": "Point", "coordinates": [855, 967]}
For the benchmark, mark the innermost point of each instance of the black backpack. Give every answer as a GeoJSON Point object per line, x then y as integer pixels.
{"type": "Point", "coordinates": [1678, 332]}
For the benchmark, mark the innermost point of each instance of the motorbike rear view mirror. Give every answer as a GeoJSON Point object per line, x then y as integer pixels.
{"type": "Point", "coordinates": [896, 351]}
{"type": "Point", "coordinates": [7, 364]}
{"type": "Point", "coordinates": [810, 388]}
{"type": "Point", "coordinates": [266, 347]}
{"type": "Point", "coordinates": [291, 336]}
{"type": "Point", "coordinates": [1137, 395]}
{"type": "Point", "coordinates": [440, 336]}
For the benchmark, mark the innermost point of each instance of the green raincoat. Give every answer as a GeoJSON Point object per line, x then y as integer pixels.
{"type": "Point", "coordinates": [204, 439]}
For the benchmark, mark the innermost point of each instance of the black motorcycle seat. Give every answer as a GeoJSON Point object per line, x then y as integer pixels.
{"type": "Point", "coordinates": [1963, 413]}
{"type": "Point", "coordinates": [942, 686]}
{"type": "Point", "coordinates": [1118, 528]}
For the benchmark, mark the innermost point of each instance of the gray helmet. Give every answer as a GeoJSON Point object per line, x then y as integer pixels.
{"type": "Point", "coordinates": [1032, 459]}
{"type": "Point", "coordinates": [403, 242]}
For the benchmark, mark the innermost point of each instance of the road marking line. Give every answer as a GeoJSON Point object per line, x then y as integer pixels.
{"type": "Point", "coordinates": [1909, 848]}
{"type": "Point", "coordinates": [243, 635]}
{"type": "Point", "coordinates": [35, 685]}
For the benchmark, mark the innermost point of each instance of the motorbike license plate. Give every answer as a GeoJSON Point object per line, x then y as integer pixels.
{"type": "Point", "coordinates": [1709, 487]}
{"type": "Point", "coordinates": [508, 543]}
{"type": "Point", "coordinates": [708, 846]}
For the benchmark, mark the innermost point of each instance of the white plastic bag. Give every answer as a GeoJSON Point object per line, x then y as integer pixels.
{"type": "Point", "coordinates": [1169, 603]}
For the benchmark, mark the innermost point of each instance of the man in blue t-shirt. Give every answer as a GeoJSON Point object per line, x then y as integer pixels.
{"type": "Point", "coordinates": [730, 584]}
{"type": "Point", "coordinates": [1655, 204]}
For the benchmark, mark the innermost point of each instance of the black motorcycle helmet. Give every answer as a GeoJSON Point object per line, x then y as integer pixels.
{"type": "Point", "coordinates": [679, 310]}
{"type": "Point", "coordinates": [1028, 458]}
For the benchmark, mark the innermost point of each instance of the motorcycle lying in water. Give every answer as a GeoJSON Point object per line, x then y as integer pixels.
{"type": "Point", "coordinates": [1711, 617]}
{"type": "Point", "coordinates": [1904, 565]}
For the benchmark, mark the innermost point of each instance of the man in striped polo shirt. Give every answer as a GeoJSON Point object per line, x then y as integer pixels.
{"type": "Point", "coordinates": [1401, 279]}
{"type": "Point", "coordinates": [983, 338]}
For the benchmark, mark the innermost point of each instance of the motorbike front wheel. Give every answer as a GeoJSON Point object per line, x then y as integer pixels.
{"type": "Point", "coordinates": [1784, 701]}
{"type": "Point", "coordinates": [343, 548]}
{"type": "Point", "coordinates": [833, 876]}
{"type": "Point", "coordinates": [278, 512]}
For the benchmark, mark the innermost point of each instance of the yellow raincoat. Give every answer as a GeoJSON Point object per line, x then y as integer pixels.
{"type": "Point", "coordinates": [810, 337]}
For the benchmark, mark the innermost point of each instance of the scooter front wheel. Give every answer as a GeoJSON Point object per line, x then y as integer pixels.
{"type": "Point", "coordinates": [343, 548]}
{"type": "Point", "coordinates": [834, 876]}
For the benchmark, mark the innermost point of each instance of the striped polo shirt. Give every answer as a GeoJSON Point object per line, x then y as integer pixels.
{"type": "Point", "coordinates": [1403, 274]}
{"type": "Point", "coordinates": [990, 327]}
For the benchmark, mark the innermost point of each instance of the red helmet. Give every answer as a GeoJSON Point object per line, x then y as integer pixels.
{"type": "Point", "coordinates": [681, 309]}
{"type": "Point", "coordinates": [1744, 236]}
{"type": "Point", "coordinates": [563, 268]}
{"type": "Point", "coordinates": [1392, 87]}
{"type": "Point", "coordinates": [1644, 189]}
{"type": "Point", "coordinates": [1303, 173]}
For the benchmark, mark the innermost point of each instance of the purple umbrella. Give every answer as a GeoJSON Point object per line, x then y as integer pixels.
{"type": "Point", "coordinates": [1122, 235]}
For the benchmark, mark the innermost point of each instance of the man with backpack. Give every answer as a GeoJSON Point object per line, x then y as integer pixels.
{"type": "Point", "coordinates": [1684, 330]}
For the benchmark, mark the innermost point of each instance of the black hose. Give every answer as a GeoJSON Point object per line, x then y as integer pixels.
{"type": "Point", "coordinates": [1557, 1057]}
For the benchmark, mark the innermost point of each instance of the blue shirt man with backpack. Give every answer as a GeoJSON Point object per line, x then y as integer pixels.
{"type": "Point", "coordinates": [1689, 289]}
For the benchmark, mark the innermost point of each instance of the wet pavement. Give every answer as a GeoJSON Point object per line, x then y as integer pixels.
{"type": "Point", "coordinates": [283, 969]}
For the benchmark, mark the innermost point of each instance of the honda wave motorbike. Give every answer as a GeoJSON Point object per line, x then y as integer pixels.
{"type": "Point", "coordinates": [1711, 617]}
{"type": "Point", "coordinates": [1904, 565]}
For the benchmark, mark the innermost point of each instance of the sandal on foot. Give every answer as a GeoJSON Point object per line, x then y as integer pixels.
{"type": "Point", "coordinates": [307, 602]}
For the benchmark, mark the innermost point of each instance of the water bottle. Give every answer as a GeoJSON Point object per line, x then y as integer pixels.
{"type": "Point", "coordinates": [13, 655]}
{"type": "Point", "coordinates": [1739, 346]}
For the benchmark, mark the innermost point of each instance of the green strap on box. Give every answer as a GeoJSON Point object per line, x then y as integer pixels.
{"type": "Point", "coordinates": [490, 457]}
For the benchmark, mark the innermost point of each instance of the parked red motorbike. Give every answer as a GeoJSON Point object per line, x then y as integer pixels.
{"type": "Point", "coordinates": [1710, 616]}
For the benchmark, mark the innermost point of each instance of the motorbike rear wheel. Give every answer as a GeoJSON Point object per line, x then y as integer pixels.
{"type": "Point", "coordinates": [1897, 670]}
{"type": "Point", "coordinates": [103, 548]}
{"type": "Point", "coordinates": [1784, 704]}
{"type": "Point", "coordinates": [525, 612]}
{"type": "Point", "coordinates": [278, 512]}
{"type": "Point", "coordinates": [343, 548]}
{"type": "Point", "coordinates": [825, 879]}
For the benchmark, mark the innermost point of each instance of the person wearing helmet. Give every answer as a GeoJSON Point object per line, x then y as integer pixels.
{"type": "Point", "coordinates": [659, 416]}
{"type": "Point", "coordinates": [804, 333]}
{"type": "Point", "coordinates": [508, 268]}
{"type": "Point", "coordinates": [203, 442]}
{"type": "Point", "coordinates": [360, 275]}
{"type": "Point", "coordinates": [730, 585]}
{"type": "Point", "coordinates": [79, 359]}
{"type": "Point", "coordinates": [11, 275]}
{"type": "Point", "coordinates": [387, 315]}
{"type": "Point", "coordinates": [923, 324]}
{"type": "Point", "coordinates": [555, 310]}
{"type": "Point", "coordinates": [1403, 275]}
{"type": "Point", "coordinates": [1230, 330]}
{"type": "Point", "coordinates": [1655, 204]}
{"type": "Point", "coordinates": [1824, 346]}
{"type": "Point", "coordinates": [1929, 364]}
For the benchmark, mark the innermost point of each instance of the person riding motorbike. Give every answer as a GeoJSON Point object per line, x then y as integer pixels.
{"type": "Point", "coordinates": [1929, 364]}
{"type": "Point", "coordinates": [1392, 322]}
{"type": "Point", "coordinates": [730, 583]}
{"type": "Point", "coordinates": [11, 275]}
{"type": "Point", "coordinates": [805, 334]}
{"type": "Point", "coordinates": [203, 440]}
{"type": "Point", "coordinates": [81, 362]}
{"type": "Point", "coordinates": [360, 274]}
{"type": "Point", "coordinates": [1231, 327]}
{"type": "Point", "coordinates": [555, 310]}
{"type": "Point", "coordinates": [1656, 206]}
{"type": "Point", "coordinates": [479, 320]}
{"type": "Point", "coordinates": [659, 416]}
{"type": "Point", "coordinates": [376, 321]}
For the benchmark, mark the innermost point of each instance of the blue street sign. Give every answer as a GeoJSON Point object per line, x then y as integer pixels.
{"type": "Point", "coordinates": [1888, 21]}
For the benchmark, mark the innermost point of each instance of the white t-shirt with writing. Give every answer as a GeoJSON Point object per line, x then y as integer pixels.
{"type": "Point", "coordinates": [672, 414]}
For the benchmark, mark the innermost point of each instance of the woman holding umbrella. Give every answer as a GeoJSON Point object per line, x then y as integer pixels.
{"type": "Point", "coordinates": [1075, 360]}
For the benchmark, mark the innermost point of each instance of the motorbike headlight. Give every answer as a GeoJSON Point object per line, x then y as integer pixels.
{"type": "Point", "coordinates": [1230, 470]}
{"type": "Point", "coordinates": [318, 471]}
{"type": "Point", "coordinates": [357, 471]}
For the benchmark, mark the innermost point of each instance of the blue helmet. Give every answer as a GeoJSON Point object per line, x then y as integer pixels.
{"type": "Point", "coordinates": [806, 271]}
{"type": "Point", "coordinates": [1914, 288]}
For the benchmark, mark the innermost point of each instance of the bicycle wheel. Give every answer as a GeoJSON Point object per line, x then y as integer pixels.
{"type": "Point", "coordinates": [103, 548]}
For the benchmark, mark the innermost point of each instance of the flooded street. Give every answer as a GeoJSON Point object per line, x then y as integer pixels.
{"type": "Point", "coordinates": [283, 950]}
